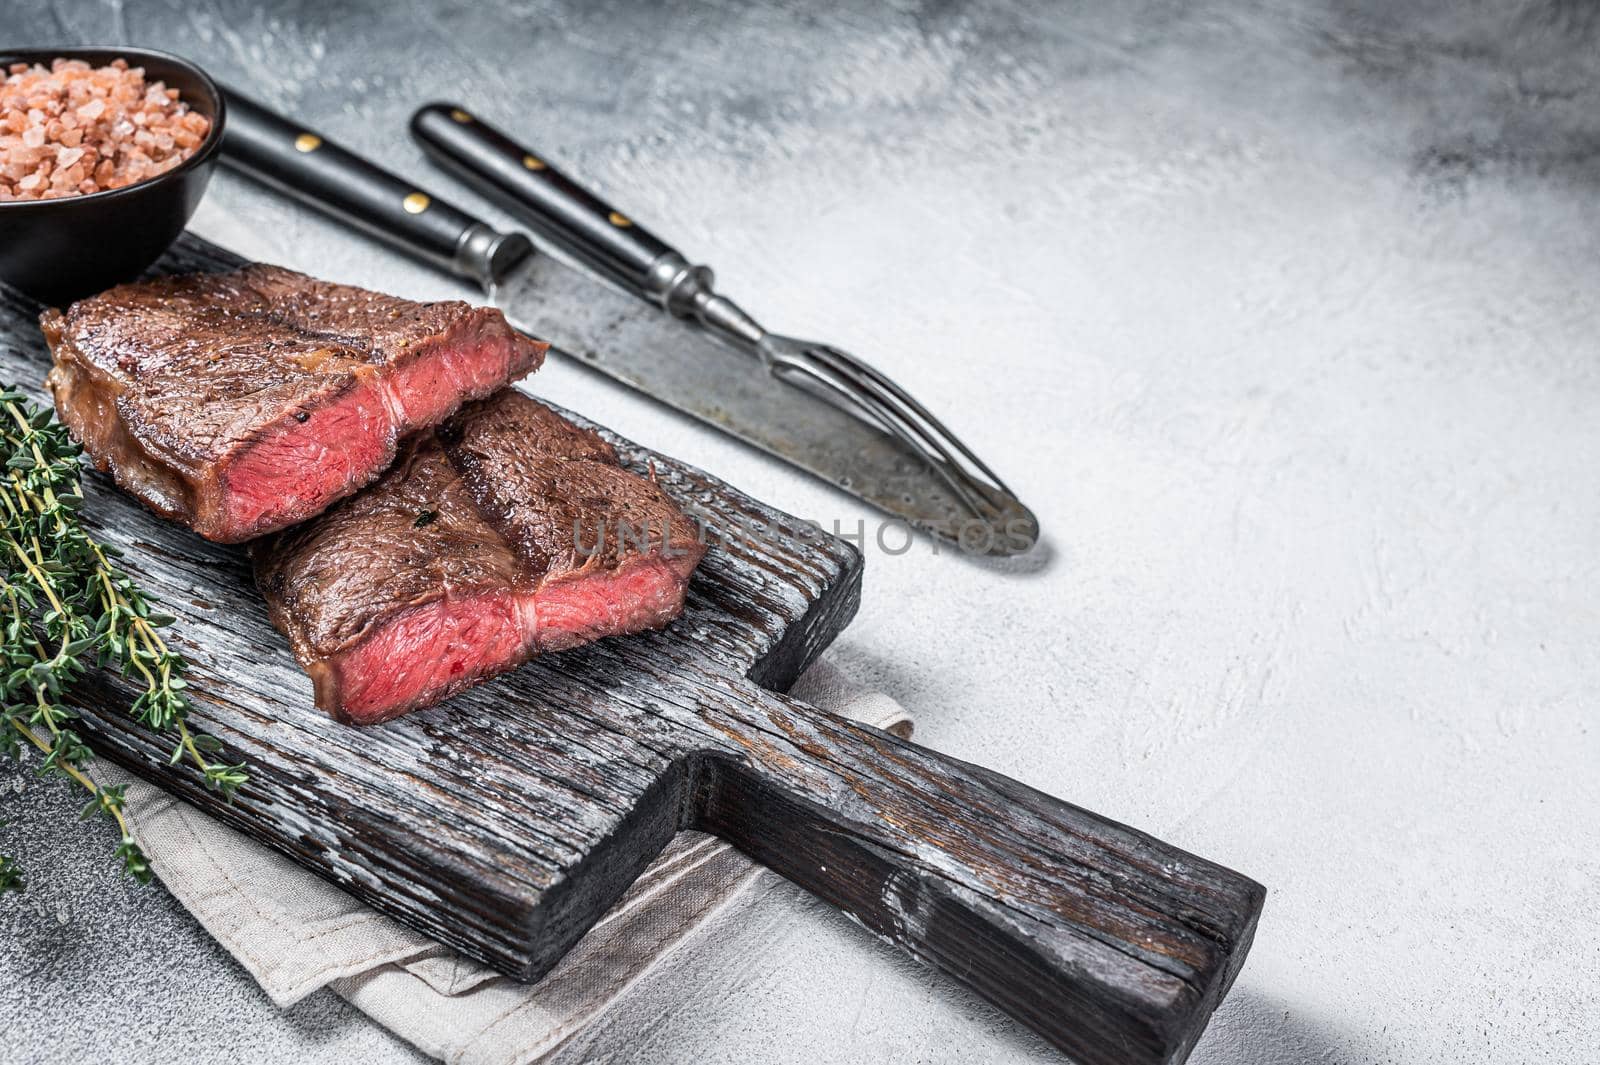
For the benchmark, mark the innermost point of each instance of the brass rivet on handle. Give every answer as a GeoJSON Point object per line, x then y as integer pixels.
{"type": "Point", "coordinates": [307, 142]}
{"type": "Point", "coordinates": [416, 203]}
{"type": "Point", "coordinates": [620, 220]}
{"type": "Point", "coordinates": [460, 115]}
{"type": "Point", "coordinates": [533, 162]}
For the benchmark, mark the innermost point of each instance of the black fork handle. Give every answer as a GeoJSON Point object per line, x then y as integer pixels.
{"type": "Point", "coordinates": [546, 199]}
{"type": "Point", "coordinates": [301, 162]}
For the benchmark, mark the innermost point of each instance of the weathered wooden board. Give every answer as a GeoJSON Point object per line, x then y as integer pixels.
{"type": "Point", "coordinates": [507, 821]}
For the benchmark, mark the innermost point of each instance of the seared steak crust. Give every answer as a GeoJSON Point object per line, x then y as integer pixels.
{"type": "Point", "coordinates": [506, 533]}
{"type": "Point", "coordinates": [240, 403]}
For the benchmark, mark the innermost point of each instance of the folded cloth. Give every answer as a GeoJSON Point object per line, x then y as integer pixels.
{"type": "Point", "coordinates": [295, 933]}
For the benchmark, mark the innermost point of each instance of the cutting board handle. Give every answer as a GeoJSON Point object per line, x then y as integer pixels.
{"type": "Point", "coordinates": [1113, 945]}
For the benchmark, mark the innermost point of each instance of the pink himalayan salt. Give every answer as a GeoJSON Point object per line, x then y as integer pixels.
{"type": "Point", "coordinates": [72, 129]}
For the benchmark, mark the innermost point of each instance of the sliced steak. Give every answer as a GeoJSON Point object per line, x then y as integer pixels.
{"type": "Point", "coordinates": [506, 533]}
{"type": "Point", "coordinates": [244, 402]}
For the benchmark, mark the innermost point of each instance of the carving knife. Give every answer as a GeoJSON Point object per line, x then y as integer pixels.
{"type": "Point", "coordinates": [610, 295]}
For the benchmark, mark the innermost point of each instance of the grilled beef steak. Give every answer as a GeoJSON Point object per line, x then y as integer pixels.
{"type": "Point", "coordinates": [506, 533]}
{"type": "Point", "coordinates": [244, 402]}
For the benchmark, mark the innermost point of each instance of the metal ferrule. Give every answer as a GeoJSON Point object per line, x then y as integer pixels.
{"type": "Point", "coordinates": [672, 282]}
{"type": "Point", "coordinates": [687, 290]}
{"type": "Point", "coordinates": [487, 255]}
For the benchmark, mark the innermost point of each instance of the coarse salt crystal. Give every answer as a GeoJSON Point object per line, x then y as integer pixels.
{"type": "Point", "coordinates": [73, 129]}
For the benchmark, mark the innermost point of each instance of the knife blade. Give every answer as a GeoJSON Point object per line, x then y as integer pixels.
{"type": "Point", "coordinates": [550, 291]}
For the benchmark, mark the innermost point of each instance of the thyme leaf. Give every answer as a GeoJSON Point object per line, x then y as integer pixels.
{"type": "Point", "coordinates": [66, 606]}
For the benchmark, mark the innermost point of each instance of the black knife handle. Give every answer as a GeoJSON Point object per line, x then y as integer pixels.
{"type": "Point", "coordinates": [549, 201]}
{"type": "Point", "coordinates": [287, 156]}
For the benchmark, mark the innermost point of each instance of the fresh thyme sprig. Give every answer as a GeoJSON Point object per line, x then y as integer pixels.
{"type": "Point", "coordinates": [65, 604]}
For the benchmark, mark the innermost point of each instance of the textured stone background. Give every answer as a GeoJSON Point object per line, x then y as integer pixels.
{"type": "Point", "coordinates": [1283, 317]}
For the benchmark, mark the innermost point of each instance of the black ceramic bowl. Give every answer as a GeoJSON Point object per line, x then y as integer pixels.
{"type": "Point", "coordinates": [59, 250]}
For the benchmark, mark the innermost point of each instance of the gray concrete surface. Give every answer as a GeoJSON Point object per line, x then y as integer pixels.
{"type": "Point", "coordinates": [1283, 317]}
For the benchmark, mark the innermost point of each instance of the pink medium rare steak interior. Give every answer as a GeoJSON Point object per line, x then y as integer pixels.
{"type": "Point", "coordinates": [507, 533]}
{"type": "Point", "coordinates": [241, 403]}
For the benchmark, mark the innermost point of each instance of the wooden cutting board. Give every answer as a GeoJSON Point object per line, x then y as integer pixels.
{"type": "Point", "coordinates": [507, 821]}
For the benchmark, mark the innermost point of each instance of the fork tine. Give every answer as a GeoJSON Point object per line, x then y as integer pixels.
{"type": "Point", "coordinates": [864, 391]}
{"type": "Point", "coordinates": [932, 433]}
{"type": "Point", "coordinates": [937, 427]}
{"type": "Point", "coordinates": [852, 394]}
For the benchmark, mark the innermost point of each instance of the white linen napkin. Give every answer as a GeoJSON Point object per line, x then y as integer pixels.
{"type": "Point", "coordinates": [295, 933]}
